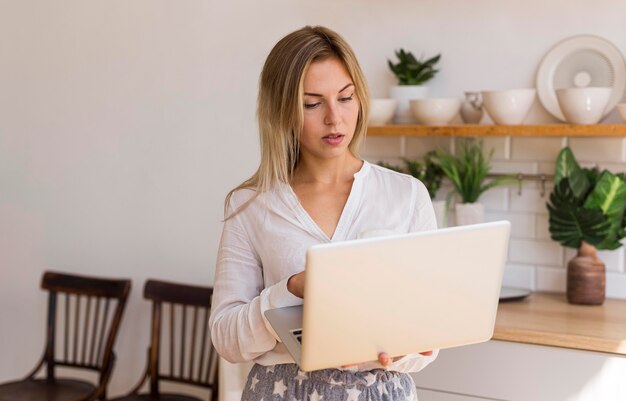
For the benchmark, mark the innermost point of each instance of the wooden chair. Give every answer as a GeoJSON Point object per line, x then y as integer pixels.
{"type": "Point", "coordinates": [91, 313]}
{"type": "Point", "coordinates": [180, 347]}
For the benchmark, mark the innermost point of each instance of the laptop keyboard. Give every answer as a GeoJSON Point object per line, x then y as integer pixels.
{"type": "Point", "coordinates": [297, 333]}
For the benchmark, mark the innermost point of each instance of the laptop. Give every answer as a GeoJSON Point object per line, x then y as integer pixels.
{"type": "Point", "coordinates": [400, 294]}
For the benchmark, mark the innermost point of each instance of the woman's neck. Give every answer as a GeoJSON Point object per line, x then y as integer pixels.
{"type": "Point", "coordinates": [327, 171]}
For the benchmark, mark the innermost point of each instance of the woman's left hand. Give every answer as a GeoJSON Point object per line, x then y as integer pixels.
{"type": "Point", "coordinates": [385, 360]}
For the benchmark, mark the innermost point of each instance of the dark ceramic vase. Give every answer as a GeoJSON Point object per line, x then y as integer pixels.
{"type": "Point", "coordinates": [586, 278]}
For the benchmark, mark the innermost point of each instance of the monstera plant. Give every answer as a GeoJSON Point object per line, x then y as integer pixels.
{"type": "Point", "coordinates": [586, 212]}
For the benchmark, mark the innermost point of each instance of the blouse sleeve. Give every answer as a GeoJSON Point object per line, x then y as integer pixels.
{"type": "Point", "coordinates": [423, 218]}
{"type": "Point", "coordinates": [239, 330]}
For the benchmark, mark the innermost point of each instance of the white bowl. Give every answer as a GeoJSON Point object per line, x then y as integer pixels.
{"type": "Point", "coordinates": [438, 111]}
{"type": "Point", "coordinates": [583, 105]}
{"type": "Point", "coordinates": [509, 107]}
{"type": "Point", "coordinates": [621, 107]}
{"type": "Point", "coordinates": [382, 111]}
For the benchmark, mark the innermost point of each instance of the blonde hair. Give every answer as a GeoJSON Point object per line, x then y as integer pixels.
{"type": "Point", "coordinates": [280, 103]}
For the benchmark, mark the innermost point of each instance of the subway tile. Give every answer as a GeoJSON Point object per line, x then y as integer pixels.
{"type": "Point", "coordinates": [616, 285]}
{"type": "Point", "coordinates": [499, 145]}
{"type": "Point", "coordinates": [507, 167]}
{"type": "Point", "coordinates": [612, 167]}
{"type": "Point", "coordinates": [378, 147]}
{"type": "Point", "coordinates": [613, 260]}
{"type": "Point", "coordinates": [519, 276]}
{"type": "Point", "coordinates": [547, 168]}
{"type": "Point", "coordinates": [593, 149]}
{"type": "Point", "coordinates": [547, 253]}
{"type": "Point", "coordinates": [443, 191]}
{"type": "Point", "coordinates": [495, 199]}
{"type": "Point", "coordinates": [530, 200]}
{"type": "Point", "coordinates": [417, 147]}
{"type": "Point", "coordinates": [522, 225]}
{"type": "Point", "coordinates": [550, 279]}
{"type": "Point", "coordinates": [536, 149]}
{"type": "Point", "coordinates": [542, 225]}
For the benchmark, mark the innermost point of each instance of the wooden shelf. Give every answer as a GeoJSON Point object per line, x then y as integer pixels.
{"type": "Point", "coordinates": [547, 319]}
{"type": "Point", "coordinates": [549, 130]}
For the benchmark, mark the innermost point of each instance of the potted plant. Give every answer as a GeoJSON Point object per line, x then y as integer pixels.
{"type": "Point", "coordinates": [468, 171]}
{"type": "Point", "coordinates": [431, 175]}
{"type": "Point", "coordinates": [412, 74]}
{"type": "Point", "coordinates": [586, 212]}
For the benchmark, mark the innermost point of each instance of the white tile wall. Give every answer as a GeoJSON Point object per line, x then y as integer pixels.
{"type": "Point", "coordinates": [500, 145]}
{"type": "Point", "coordinates": [522, 224]}
{"type": "Point", "coordinates": [535, 261]}
{"type": "Point", "coordinates": [547, 253]}
{"type": "Point", "coordinates": [379, 146]}
{"type": "Point", "coordinates": [417, 147]}
{"type": "Point", "coordinates": [495, 199]}
{"type": "Point", "coordinates": [547, 168]}
{"type": "Point", "coordinates": [594, 149]}
{"type": "Point", "coordinates": [550, 279]}
{"type": "Point", "coordinates": [519, 276]}
{"type": "Point", "coordinates": [542, 225]}
{"type": "Point", "coordinates": [536, 149]}
{"type": "Point", "coordinates": [530, 200]}
{"type": "Point", "coordinates": [508, 167]}
{"type": "Point", "coordinates": [616, 285]}
{"type": "Point", "coordinates": [612, 167]}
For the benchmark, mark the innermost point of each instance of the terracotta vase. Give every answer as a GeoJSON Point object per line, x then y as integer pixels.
{"type": "Point", "coordinates": [586, 278]}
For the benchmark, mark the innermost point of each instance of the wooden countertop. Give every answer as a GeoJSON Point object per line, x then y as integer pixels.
{"type": "Point", "coordinates": [547, 319]}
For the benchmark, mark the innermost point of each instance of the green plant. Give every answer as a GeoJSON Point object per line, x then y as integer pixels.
{"type": "Point", "coordinates": [586, 205]}
{"type": "Point", "coordinates": [468, 171]}
{"type": "Point", "coordinates": [411, 71]}
{"type": "Point", "coordinates": [427, 171]}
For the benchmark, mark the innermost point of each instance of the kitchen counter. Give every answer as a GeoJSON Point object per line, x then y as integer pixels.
{"type": "Point", "coordinates": [547, 319]}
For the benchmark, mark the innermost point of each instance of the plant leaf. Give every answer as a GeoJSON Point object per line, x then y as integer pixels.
{"type": "Point", "coordinates": [570, 223]}
{"type": "Point", "coordinates": [609, 196]}
{"type": "Point", "coordinates": [567, 167]}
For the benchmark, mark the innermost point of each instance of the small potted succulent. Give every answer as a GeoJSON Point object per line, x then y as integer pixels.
{"type": "Point", "coordinates": [412, 75]}
{"type": "Point", "coordinates": [586, 212]}
{"type": "Point", "coordinates": [430, 174]}
{"type": "Point", "coordinates": [468, 171]}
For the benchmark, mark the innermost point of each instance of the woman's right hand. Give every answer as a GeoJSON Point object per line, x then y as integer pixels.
{"type": "Point", "coordinates": [295, 285]}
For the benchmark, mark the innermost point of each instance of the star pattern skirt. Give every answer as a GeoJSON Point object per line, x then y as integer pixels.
{"type": "Point", "coordinates": [286, 382]}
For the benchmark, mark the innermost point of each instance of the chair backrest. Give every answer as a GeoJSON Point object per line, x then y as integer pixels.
{"type": "Point", "coordinates": [84, 315]}
{"type": "Point", "coordinates": [180, 334]}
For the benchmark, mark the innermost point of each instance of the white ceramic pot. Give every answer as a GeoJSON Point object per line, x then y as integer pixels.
{"type": "Point", "coordinates": [441, 214]}
{"type": "Point", "coordinates": [469, 213]}
{"type": "Point", "coordinates": [508, 107]}
{"type": "Point", "coordinates": [439, 111]}
{"type": "Point", "coordinates": [403, 94]}
{"type": "Point", "coordinates": [583, 105]}
{"type": "Point", "coordinates": [382, 111]}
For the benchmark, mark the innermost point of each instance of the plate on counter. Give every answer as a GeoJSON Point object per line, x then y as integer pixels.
{"type": "Point", "coordinates": [578, 62]}
{"type": "Point", "coordinates": [508, 294]}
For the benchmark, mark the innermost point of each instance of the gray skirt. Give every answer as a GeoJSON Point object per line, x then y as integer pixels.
{"type": "Point", "coordinates": [287, 382]}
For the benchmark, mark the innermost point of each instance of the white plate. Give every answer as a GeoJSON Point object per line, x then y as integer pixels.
{"type": "Point", "coordinates": [580, 61]}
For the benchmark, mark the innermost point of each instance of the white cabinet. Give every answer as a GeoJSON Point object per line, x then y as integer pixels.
{"type": "Point", "coordinates": [499, 370]}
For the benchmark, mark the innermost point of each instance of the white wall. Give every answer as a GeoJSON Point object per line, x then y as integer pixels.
{"type": "Point", "coordinates": [123, 124]}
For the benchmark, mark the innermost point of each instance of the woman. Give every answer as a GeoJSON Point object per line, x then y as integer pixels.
{"type": "Point", "coordinates": [310, 188]}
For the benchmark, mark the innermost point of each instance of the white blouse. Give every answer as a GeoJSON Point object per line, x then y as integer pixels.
{"type": "Point", "coordinates": [266, 243]}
